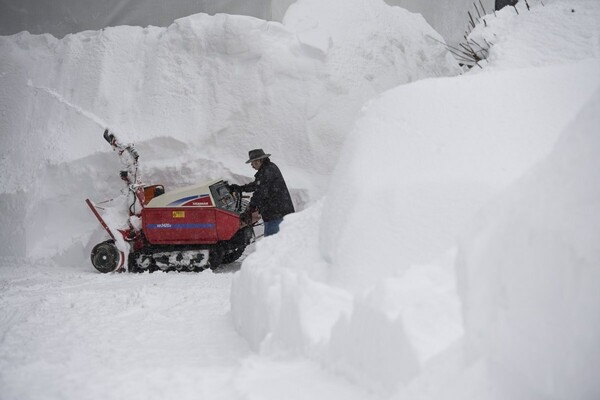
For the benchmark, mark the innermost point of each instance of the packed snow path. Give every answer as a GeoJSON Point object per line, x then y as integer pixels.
{"type": "Point", "coordinates": [77, 334]}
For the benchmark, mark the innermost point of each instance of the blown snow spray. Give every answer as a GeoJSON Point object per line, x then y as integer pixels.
{"type": "Point", "coordinates": [84, 113]}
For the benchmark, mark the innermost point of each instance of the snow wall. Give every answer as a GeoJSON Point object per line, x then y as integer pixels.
{"type": "Point", "coordinates": [365, 281]}
{"type": "Point", "coordinates": [194, 97]}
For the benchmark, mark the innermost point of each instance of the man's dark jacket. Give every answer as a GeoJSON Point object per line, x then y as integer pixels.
{"type": "Point", "coordinates": [271, 196]}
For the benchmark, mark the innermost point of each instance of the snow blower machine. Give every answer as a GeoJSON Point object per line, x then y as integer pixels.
{"type": "Point", "coordinates": [188, 229]}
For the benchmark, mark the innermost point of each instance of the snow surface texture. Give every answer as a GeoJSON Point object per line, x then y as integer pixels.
{"type": "Point", "coordinates": [421, 163]}
{"type": "Point", "coordinates": [206, 89]}
{"type": "Point", "coordinates": [367, 293]}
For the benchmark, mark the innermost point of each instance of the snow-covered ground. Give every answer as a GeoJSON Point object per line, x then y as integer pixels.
{"type": "Point", "coordinates": [67, 333]}
{"type": "Point", "coordinates": [446, 243]}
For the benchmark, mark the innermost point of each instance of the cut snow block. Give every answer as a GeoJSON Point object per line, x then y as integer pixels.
{"type": "Point", "coordinates": [399, 327]}
{"type": "Point", "coordinates": [373, 349]}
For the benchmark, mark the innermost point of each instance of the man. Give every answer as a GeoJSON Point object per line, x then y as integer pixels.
{"type": "Point", "coordinates": [271, 196]}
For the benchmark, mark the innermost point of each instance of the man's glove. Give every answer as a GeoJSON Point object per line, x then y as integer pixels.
{"type": "Point", "coordinates": [246, 217]}
{"type": "Point", "coordinates": [235, 188]}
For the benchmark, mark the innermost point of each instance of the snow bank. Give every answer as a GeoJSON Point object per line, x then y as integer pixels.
{"type": "Point", "coordinates": [530, 277]}
{"type": "Point", "coordinates": [210, 87]}
{"type": "Point", "coordinates": [422, 160]}
{"type": "Point", "coordinates": [406, 186]}
{"type": "Point", "coordinates": [425, 156]}
{"type": "Point", "coordinates": [284, 302]}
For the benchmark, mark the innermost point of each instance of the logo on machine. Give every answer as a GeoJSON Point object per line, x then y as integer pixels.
{"type": "Point", "coordinates": [202, 200]}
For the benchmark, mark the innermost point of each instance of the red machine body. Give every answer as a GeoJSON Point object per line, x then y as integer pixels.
{"type": "Point", "coordinates": [178, 225]}
{"type": "Point", "coordinates": [198, 214]}
{"type": "Point", "coordinates": [189, 228]}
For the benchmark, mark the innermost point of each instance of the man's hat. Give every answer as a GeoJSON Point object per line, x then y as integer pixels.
{"type": "Point", "coordinates": [256, 154]}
